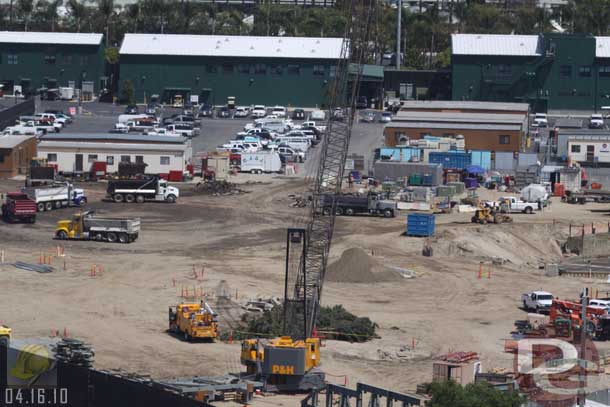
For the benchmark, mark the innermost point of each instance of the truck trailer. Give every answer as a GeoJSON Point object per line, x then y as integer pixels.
{"type": "Point", "coordinates": [140, 190]}
{"type": "Point", "coordinates": [18, 207]}
{"type": "Point", "coordinates": [352, 204]}
{"type": "Point", "coordinates": [55, 196]}
{"type": "Point", "coordinates": [257, 163]}
{"type": "Point", "coordinates": [87, 226]}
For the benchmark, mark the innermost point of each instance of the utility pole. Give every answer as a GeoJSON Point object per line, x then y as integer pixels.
{"type": "Point", "coordinates": [398, 29]}
{"type": "Point", "coordinates": [584, 301]}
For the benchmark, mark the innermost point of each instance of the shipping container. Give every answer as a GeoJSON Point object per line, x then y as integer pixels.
{"type": "Point", "coordinates": [419, 224]}
{"type": "Point", "coordinates": [400, 154]}
{"type": "Point", "coordinates": [504, 161]}
{"type": "Point", "coordinates": [394, 171]}
{"type": "Point", "coordinates": [451, 159]}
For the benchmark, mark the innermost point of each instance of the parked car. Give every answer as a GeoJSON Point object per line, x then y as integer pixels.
{"type": "Point", "coordinates": [338, 114]}
{"type": "Point", "coordinates": [539, 301]}
{"type": "Point", "coordinates": [367, 116]}
{"type": "Point", "coordinates": [596, 121]}
{"type": "Point", "coordinates": [540, 120]}
{"type": "Point", "coordinates": [259, 111]}
{"type": "Point", "coordinates": [131, 109]}
{"type": "Point", "coordinates": [385, 117]}
{"type": "Point", "coordinates": [223, 112]}
{"type": "Point", "coordinates": [290, 153]}
{"type": "Point", "coordinates": [152, 109]}
{"type": "Point", "coordinates": [206, 111]}
{"type": "Point", "coordinates": [241, 111]}
{"type": "Point", "coordinates": [298, 114]}
{"type": "Point", "coordinates": [279, 111]}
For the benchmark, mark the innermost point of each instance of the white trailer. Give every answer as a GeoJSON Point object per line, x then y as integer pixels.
{"type": "Point", "coordinates": [257, 163]}
{"type": "Point", "coordinates": [124, 118]}
{"type": "Point", "coordinates": [55, 196]}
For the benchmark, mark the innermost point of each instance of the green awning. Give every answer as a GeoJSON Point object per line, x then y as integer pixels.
{"type": "Point", "coordinates": [369, 72]}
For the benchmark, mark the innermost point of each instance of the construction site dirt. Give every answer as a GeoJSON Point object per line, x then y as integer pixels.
{"type": "Point", "coordinates": [230, 248]}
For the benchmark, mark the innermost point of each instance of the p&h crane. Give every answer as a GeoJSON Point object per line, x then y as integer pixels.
{"type": "Point", "coordinates": [290, 363]}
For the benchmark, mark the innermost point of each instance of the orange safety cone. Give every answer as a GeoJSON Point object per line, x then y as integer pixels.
{"type": "Point", "coordinates": [480, 274]}
{"type": "Point", "coordinates": [40, 260]}
{"type": "Point", "coordinates": [489, 272]}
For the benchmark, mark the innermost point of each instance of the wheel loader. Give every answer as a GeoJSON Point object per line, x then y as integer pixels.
{"type": "Point", "coordinates": [485, 214]}
{"type": "Point", "coordinates": [5, 336]}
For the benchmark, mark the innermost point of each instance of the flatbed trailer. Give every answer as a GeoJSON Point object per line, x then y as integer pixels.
{"type": "Point", "coordinates": [586, 195]}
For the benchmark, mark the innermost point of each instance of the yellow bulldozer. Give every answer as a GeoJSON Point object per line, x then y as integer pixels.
{"type": "Point", "coordinates": [193, 321]}
{"type": "Point", "coordinates": [5, 336]}
{"type": "Point", "coordinates": [485, 214]}
{"type": "Point", "coordinates": [284, 364]}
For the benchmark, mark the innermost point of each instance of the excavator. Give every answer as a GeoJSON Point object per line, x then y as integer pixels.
{"type": "Point", "coordinates": [291, 362]}
{"type": "Point", "coordinates": [5, 336]}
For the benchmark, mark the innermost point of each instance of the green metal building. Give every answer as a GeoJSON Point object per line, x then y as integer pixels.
{"type": "Point", "coordinates": [548, 71]}
{"type": "Point", "coordinates": [291, 71]}
{"type": "Point", "coordinates": [36, 60]}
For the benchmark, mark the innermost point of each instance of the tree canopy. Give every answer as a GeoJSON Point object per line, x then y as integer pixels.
{"type": "Point", "coordinates": [451, 394]}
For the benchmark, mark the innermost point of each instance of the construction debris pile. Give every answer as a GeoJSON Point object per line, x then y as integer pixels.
{"type": "Point", "coordinates": [74, 352]}
{"type": "Point", "coordinates": [216, 188]}
{"type": "Point", "coordinates": [39, 268]}
{"type": "Point", "coordinates": [357, 266]}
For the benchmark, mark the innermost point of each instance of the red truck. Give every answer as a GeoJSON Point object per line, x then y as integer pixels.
{"type": "Point", "coordinates": [18, 207]}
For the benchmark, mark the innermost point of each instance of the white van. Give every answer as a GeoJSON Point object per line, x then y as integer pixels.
{"type": "Point", "coordinates": [318, 115]}
{"type": "Point", "coordinates": [297, 143]}
{"type": "Point", "coordinates": [279, 111]}
{"type": "Point", "coordinates": [259, 111]}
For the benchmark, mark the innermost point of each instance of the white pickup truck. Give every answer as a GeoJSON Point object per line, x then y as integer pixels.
{"type": "Point", "coordinates": [511, 204]}
{"type": "Point", "coordinates": [312, 124]}
{"type": "Point", "coordinates": [539, 301]}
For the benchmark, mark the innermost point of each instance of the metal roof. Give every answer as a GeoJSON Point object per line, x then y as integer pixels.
{"type": "Point", "coordinates": [452, 126]}
{"type": "Point", "coordinates": [569, 122]}
{"type": "Point", "coordinates": [232, 46]}
{"type": "Point", "coordinates": [163, 148]}
{"type": "Point", "coordinates": [457, 104]}
{"type": "Point", "coordinates": [495, 44]}
{"type": "Point", "coordinates": [459, 117]}
{"type": "Point", "coordinates": [32, 37]}
{"type": "Point", "coordinates": [114, 137]}
{"type": "Point", "coordinates": [12, 141]}
{"type": "Point", "coordinates": [602, 47]}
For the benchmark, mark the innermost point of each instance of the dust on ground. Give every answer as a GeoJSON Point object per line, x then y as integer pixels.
{"type": "Point", "coordinates": [238, 240]}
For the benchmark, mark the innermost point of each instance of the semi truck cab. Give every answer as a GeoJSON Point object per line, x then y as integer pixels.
{"type": "Point", "coordinates": [166, 191]}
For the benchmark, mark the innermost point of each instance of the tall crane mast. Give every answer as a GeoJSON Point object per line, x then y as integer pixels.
{"type": "Point", "coordinates": [308, 248]}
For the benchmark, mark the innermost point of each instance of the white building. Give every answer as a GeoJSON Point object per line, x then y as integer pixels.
{"type": "Point", "coordinates": [75, 153]}
{"type": "Point", "coordinates": [592, 149]}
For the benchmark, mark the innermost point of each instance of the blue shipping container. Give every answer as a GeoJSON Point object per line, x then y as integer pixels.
{"type": "Point", "coordinates": [419, 224]}
{"type": "Point", "coordinates": [458, 160]}
{"type": "Point", "coordinates": [481, 158]}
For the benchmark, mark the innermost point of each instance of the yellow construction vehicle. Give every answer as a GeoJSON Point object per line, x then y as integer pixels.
{"type": "Point", "coordinates": [485, 214]}
{"type": "Point", "coordinates": [193, 321]}
{"type": "Point", "coordinates": [86, 226]}
{"type": "Point", "coordinates": [5, 336]}
{"type": "Point", "coordinates": [284, 364]}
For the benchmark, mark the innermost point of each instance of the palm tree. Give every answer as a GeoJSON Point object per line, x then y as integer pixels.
{"type": "Point", "coordinates": [25, 8]}
{"type": "Point", "coordinates": [106, 9]}
{"type": "Point", "coordinates": [133, 14]}
{"type": "Point", "coordinates": [78, 12]}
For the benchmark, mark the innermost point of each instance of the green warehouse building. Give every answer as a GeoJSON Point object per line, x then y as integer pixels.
{"type": "Point", "coordinates": [291, 71]}
{"type": "Point", "coordinates": [548, 71]}
{"type": "Point", "coordinates": [33, 60]}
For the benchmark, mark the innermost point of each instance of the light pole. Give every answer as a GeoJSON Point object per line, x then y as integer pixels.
{"type": "Point", "coordinates": [398, 29]}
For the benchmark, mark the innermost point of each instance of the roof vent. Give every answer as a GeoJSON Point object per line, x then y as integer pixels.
{"type": "Point", "coordinates": [280, 40]}
{"type": "Point", "coordinates": [479, 37]}
{"type": "Point", "coordinates": [313, 50]}
{"type": "Point", "coordinates": [251, 46]}
{"type": "Point", "coordinates": [217, 46]}
{"type": "Point", "coordinates": [278, 50]}
{"type": "Point", "coordinates": [154, 38]}
{"type": "Point", "coordinates": [227, 39]}
{"type": "Point", "coordinates": [317, 41]}
{"type": "Point", "coordinates": [522, 44]}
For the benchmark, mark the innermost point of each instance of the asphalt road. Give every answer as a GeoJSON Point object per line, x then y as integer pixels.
{"type": "Point", "coordinates": [101, 117]}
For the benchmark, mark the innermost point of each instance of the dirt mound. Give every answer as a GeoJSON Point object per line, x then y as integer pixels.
{"type": "Point", "coordinates": [356, 266]}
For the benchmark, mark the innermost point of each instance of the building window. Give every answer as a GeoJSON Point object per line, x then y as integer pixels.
{"type": "Point", "coordinates": [575, 148]}
{"type": "Point", "coordinates": [52, 157]}
{"type": "Point", "coordinates": [84, 60]}
{"type": "Point", "coordinates": [584, 70]}
{"type": "Point", "coordinates": [67, 59]}
{"type": "Point", "coordinates": [139, 159]}
{"type": "Point", "coordinates": [294, 70]}
{"type": "Point", "coordinates": [604, 71]}
{"type": "Point", "coordinates": [49, 59]}
{"type": "Point", "coordinates": [227, 68]}
{"type": "Point", "coordinates": [125, 158]}
{"type": "Point", "coordinates": [91, 158]}
{"type": "Point", "coordinates": [1, 158]}
{"type": "Point", "coordinates": [332, 71]}
{"type": "Point", "coordinates": [319, 70]}
{"type": "Point", "coordinates": [164, 160]}
{"type": "Point", "coordinates": [565, 71]}
{"type": "Point", "coordinates": [276, 70]}
{"type": "Point", "coordinates": [260, 69]}
{"type": "Point", "coordinates": [109, 160]}
{"type": "Point", "coordinates": [243, 68]}
{"type": "Point", "coordinates": [504, 139]}
{"type": "Point", "coordinates": [211, 69]}
{"type": "Point", "coordinates": [12, 58]}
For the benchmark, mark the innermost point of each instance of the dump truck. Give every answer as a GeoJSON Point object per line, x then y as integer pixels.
{"type": "Point", "coordinates": [17, 206]}
{"type": "Point", "coordinates": [55, 196]}
{"type": "Point", "coordinates": [87, 226]}
{"type": "Point", "coordinates": [140, 190]}
{"type": "Point", "coordinates": [353, 204]}
{"type": "Point", "coordinates": [5, 336]}
{"type": "Point", "coordinates": [193, 321]}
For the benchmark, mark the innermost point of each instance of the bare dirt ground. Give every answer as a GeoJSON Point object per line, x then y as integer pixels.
{"type": "Point", "coordinates": [239, 240]}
